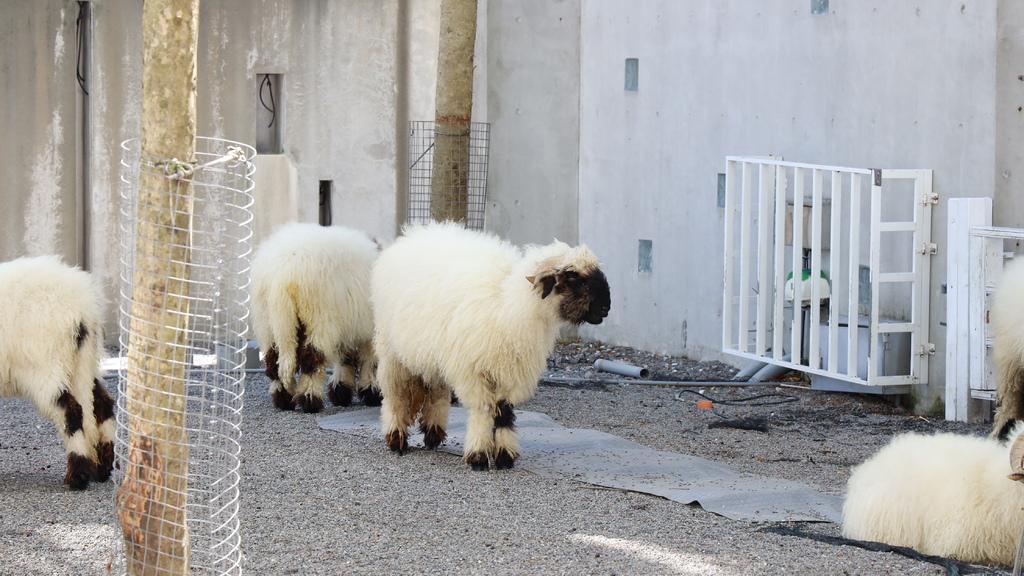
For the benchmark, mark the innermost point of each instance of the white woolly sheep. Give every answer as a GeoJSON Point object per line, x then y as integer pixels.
{"type": "Point", "coordinates": [464, 311]}
{"type": "Point", "coordinates": [51, 342]}
{"type": "Point", "coordinates": [311, 307]}
{"type": "Point", "coordinates": [1008, 348]}
{"type": "Point", "coordinates": [943, 494]}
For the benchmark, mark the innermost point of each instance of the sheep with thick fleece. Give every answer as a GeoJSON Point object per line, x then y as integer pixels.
{"type": "Point", "coordinates": [51, 342]}
{"type": "Point", "coordinates": [311, 307]}
{"type": "Point", "coordinates": [1007, 316]}
{"type": "Point", "coordinates": [464, 312]}
{"type": "Point", "coordinates": [943, 494]}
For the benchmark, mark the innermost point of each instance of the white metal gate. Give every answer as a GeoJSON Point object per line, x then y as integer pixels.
{"type": "Point", "coordinates": [977, 253]}
{"type": "Point", "coordinates": [837, 288]}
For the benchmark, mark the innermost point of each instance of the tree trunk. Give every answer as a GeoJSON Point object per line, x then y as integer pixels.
{"type": "Point", "coordinates": [151, 501]}
{"type": "Point", "coordinates": [453, 111]}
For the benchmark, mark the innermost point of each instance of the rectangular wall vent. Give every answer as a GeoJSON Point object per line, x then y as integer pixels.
{"type": "Point", "coordinates": [645, 257]}
{"type": "Point", "coordinates": [632, 74]}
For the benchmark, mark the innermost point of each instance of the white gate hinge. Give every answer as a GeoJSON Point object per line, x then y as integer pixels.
{"type": "Point", "coordinates": [928, 249]}
{"type": "Point", "coordinates": [926, 349]}
{"type": "Point", "coordinates": [930, 198]}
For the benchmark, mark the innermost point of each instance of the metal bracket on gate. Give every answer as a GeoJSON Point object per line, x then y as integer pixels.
{"type": "Point", "coordinates": [930, 198]}
{"type": "Point", "coordinates": [928, 249]}
{"type": "Point", "coordinates": [927, 349]}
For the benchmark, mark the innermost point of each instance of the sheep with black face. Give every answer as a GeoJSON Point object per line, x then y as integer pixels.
{"type": "Point", "coordinates": [465, 312]}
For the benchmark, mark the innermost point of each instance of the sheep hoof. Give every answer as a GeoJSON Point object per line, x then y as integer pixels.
{"type": "Point", "coordinates": [106, 463]}
{"type": "Point", "coordinates": [370, 396]}
{"type": "Point", "coordinates": [310, 404]}
{"type": "Point", "coordinates": [398, 443]}
{"type": "Point", "coordinates": [478, 461]}
{"type": "Point", "coordinates": [340, 394]}
{"type": "Point", "coordinates": [80, 469]}
{"type": "Point", "coordinates": [433, 436]}
{"type": "Point", "coordinates": [282, 400]}
{"type": "Point", "coordinates": [504, 460]}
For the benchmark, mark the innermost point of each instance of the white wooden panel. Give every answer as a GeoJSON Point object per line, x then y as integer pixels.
{"type": "Point", "coordinates": [765, 312]}
{"type": "Point", "coordinates": [778, 312]}
{"type": "Point", "coordinates": [730, 257]}
{"type": "Point", "coordinates": [963, 214]}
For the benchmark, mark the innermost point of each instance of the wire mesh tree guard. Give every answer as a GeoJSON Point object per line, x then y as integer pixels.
{"type": "Point", "coordinates": [217, 245]}
{"type": "Point", "coordinates": [448, 172]}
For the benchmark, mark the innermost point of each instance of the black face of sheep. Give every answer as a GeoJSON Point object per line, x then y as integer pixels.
{"type": "Point", "coordinates": [586, 297]}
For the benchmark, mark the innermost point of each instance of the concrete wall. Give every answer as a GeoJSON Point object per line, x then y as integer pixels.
{"type": "Point", "coordinates": [533, 89]}
{"type": "Point", "coordinates": [38, 117]}
{"type": "Point", "coordinates": [1008, 203]}
{"type": "Point", "coordinates": [339, 61]}
{"type": "Point", "coordinates": [890, 84]}
{"type": "Point", "coordinates": [340, 105]}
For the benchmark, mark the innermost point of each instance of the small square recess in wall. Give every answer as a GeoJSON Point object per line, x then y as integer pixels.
{"type": "Point", "coordinates": [632, 74]}
{"type": "Point", "coordinates": [645, 259]}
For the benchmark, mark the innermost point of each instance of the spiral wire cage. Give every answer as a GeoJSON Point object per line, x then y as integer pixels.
{"type": "Point", "coordinates": [218, 245]}
{"type": "Point", "coordinates": [429, 140]}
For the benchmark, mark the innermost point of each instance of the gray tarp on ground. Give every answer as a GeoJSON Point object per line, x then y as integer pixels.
{"type": "Point", "coordinates": [605, 460]}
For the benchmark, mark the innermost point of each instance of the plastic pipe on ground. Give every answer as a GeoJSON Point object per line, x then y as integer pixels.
{"type": "Point", "coordinates": [620, 368]}
{"type": "Point", "coordinates": [771, 372]}
{"type": "Point", "coordinates": [698, 384]}
{"type": "Point", "coordinates": [749, 370]}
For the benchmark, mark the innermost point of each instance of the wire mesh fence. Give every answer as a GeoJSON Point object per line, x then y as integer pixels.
{"type": "Point", "coordinates": [448, 172]}
{"type": "Point", "coordinates": [202, 380]}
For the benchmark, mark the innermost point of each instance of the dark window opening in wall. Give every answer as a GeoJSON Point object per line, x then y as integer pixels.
{"type": "Point", "coordinates": [326, 191]}
{"type": "Point", "coordinates": [269, 113]}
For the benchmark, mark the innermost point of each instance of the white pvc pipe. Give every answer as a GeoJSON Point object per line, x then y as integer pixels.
{"type": "Point", "coordinates": [620, 368]}
{"type": "Point", "coordinates": [691, 383]}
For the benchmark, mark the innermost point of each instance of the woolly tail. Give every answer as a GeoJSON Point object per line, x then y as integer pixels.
{"type": "Point", "coordinates": [283, 319]}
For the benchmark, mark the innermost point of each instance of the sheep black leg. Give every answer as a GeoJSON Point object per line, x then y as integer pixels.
{"type": "Point", "coordinates": [504, 420]}
{"type": "Point", "coordinates": [270, 362]}
{"type": "Point", "coordinates": [310, 404]}
{"type": "Point", "coordinates": [80, 467]}
{"type": "Point", "coordinates": [278, 395]}
{"type": "Point", "coordinates": [282, 400]}
{"type": "Point", "coordinates": [478, 461]}
{"type": "Point", "coordinates": [371, 396]}
{"type": "Point", "coordinates": [311, 363]}
{"type": "Point", "coordinates": [103, 409]}
{"type": "Point", "coordinates": [433, 436]}
{"type": "Point", "coordinates": [340, 394]}
{"type": "Point", "coordinates": [398, 442]}
{"type": "Point", "coordinates": [342, 384]}
{"type": "Point", "coordinates": [434, 413]}
{"type": "Point", "coordinates": [479, 443]}
{"type": "Point", "coordinates": [80, 470]}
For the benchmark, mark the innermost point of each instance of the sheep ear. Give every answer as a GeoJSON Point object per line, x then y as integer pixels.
{"type": "Point", "coordinates": [549, 283]}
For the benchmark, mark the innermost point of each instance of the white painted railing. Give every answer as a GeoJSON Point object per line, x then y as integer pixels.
{"type": "Point", "coordinates": [867, 232]}
{"type": "Point", "coordinates": [977, 253]}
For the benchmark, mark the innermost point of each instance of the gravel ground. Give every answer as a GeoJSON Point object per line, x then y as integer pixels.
{"type": "Point", "coordinates": [318, 502]}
